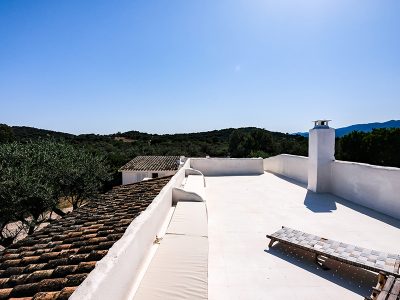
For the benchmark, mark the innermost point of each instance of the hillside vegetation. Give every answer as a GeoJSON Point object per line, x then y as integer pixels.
{"type": "Point", "coordinates": [378, 147]}
{"type": "Point", "coordinates": [381, 146]}
{"type": "Point", "coordinates": [119, 148]}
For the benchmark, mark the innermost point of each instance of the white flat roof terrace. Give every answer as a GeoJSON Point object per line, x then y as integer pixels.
{"type": "Point", "coordinates": [243, 209]}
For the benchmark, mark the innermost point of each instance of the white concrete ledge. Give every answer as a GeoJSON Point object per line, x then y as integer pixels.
{"type": "Point", "coordinates": [178, 270]}
{"type": "Point", "coordinates": [292, 166]}
{"type": "Point", "coordinates": [190, 171]}
{"type": "Point", "coordinates": [179, 267]}
{"type": "Point", "coordinates": [228, 166]}
{"type": "Point", "coordinates": [115, 274]}
{"type": "Point", "coordinates": [179, 194]}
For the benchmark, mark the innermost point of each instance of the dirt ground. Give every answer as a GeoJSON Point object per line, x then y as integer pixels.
{"type": "Point", "coordinates": [65, 207]}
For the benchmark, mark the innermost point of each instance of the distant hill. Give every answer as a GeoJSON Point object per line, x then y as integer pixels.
{"type": "Point", "coordinates": [120, 147]}
{"type": "Point", "coordinates": [24, 132]}
{"type": "Point", "coordinates": [362, 127]}
{"type": "Point", "coordinates": [367, 127]}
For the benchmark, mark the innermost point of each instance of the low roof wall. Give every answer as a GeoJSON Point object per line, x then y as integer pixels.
{"type": "Point", "coordinates": [375, 187]}
{"type": "Point", "coordinates": [372, 186]}
{"type": "Point", "coordinates": [228, 166]}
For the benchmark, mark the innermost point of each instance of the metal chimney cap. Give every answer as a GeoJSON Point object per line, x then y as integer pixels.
{"type": "Point", "coordinates": [321, 123]}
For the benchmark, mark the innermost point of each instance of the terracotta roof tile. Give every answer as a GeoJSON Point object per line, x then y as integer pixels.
{"type": "Point", "coordinates": [53, 262]}
{"type": "Point", "coordinates": [152, 163]}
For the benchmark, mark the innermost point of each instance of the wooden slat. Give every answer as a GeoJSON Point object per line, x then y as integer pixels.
{"type": "Point", "coordinates": [388, 284]}
{"type": "Point", "coordinates": [357, 256]}
{"type": "Point", "coordinates": [396, 288]}
{"type": "Point", "coordinates": [382, 295]}
{"type": "Point", "coordinates": [397, 266]}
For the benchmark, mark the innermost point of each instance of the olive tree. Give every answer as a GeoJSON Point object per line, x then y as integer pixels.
{"type": "Point", "coordinates": [35, 175]}
{"type": "Point", "coordinates": [79, 175]}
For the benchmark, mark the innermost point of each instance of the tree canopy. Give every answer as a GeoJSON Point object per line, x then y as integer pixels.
{"type": "Point", "coordinates": [6, 133]}
{"type": "Point", "coordinates": [378, 147]}
{"type": "Point", "coordinates": [34, 176]}
{"type": "Point", "coordinates": [256, 142]}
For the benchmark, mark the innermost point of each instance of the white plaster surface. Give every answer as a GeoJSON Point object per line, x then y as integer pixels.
{"type": "Point", "coordinates": [195, 183]}
{"type": "Point", "coordinates": [372, 186]}
{"type": "Point", "coordinates": [136, 176]}
{"type": "Point", "coordinates": [243, 209]}
{"type": "Point", "coordinates": [178, 270]}
{"type": "Point", "coordinates": [191, 189]}
{"type": "Point", "coordinates": [292, 166]}
{"type": "Point", "coordinates": [179, 267]}
{"type": "Point", "coordinates": [228, 166]}
{"type": "Point", "coordinates": [190, 218]}
{"type": "Point", "coordinates": [375, 187]}
{"type": "Point", "coordinates": [180, 194]}
{"type": "Point", "coordinates": [321, 154]}
{"type": "Point", "coordinates": [115, 275]}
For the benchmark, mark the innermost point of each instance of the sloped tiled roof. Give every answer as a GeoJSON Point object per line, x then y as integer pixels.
{"type": "Point", "coordinates": [53, 262]}
{"type": "Point", "coordinates": [152, 163]}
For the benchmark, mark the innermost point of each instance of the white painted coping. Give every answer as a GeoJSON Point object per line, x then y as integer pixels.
{"type": "Point", "coordinates": [372, 186]}
{"type": "Point", "coordinates": [228, 166]}
{"type": "Point", "coordinates": [191, 171]}
{"type": "Point", "coordinates": [115, 274]}
{"type": "Point", "coordinates": [179, 194]}
{"type": "Point", "coordinates": [292, 166]}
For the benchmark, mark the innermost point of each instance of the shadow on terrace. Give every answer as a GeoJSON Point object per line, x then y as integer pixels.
{"type": "Point", "coordinates": [349, 277]}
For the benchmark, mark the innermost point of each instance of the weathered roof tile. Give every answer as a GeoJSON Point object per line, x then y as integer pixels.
{"type": "Point", "coordinates": [152, 163]}
{"type": "Point", "coordinates": [4, 293]}
{"type": "Point", "coordinates": [52, 262]}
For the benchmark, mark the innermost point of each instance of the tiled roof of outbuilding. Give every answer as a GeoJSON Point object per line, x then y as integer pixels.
{"type": "Point", "coordinates": [53, 262]}
{"type": "Point", "coordinates": [152, 163]}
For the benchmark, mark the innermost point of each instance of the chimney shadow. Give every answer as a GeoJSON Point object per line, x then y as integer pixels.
{"type": "Point", "coordinates": [320, 203]}
{"type": "Point", "coordinates": [369, 212]}
{"type": "Point", "coordinates": [327, 203]}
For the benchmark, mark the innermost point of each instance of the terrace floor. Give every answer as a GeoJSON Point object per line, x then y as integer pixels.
{"type": "Point", "coordinates": [243, 209]}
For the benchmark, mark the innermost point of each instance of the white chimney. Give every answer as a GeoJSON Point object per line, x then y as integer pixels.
{"type": "Point", "coordinates": [321, 154]}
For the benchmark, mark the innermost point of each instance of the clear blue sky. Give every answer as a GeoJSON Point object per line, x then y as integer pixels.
{"type": "Point", "coordinates": [163, 66]}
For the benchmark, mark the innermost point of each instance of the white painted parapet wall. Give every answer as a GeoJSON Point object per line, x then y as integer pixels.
{"type": "Point", "coordinates": [228, 166]}
{"type": "Point", "coordinates": [368, 185]}
{"type": "Point", "coordinates": [292, 166]}
{"type": "Point", "coordinates": [372, 186]}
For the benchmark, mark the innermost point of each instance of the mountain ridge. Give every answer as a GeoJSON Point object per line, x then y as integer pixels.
{"type": "Point", "coordinates": [26, 131]}
{"type": "Point", "coordinates": [363, 127]}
